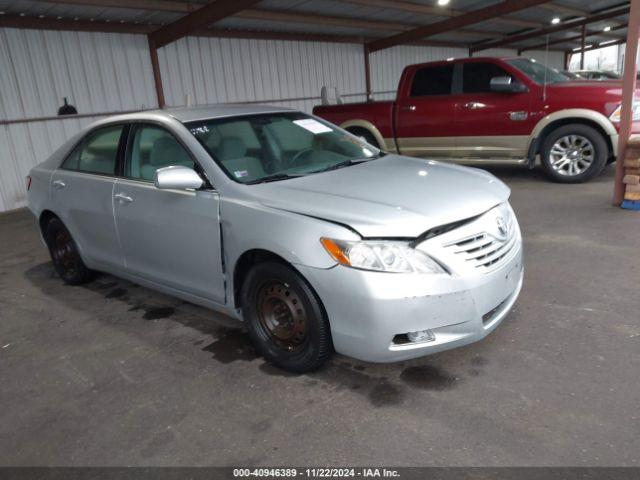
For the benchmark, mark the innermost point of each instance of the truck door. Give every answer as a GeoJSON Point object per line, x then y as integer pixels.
{"type": "Point", "coordinates": [491, 124]}
{"type": "Point", "coordinates": [425, 113]}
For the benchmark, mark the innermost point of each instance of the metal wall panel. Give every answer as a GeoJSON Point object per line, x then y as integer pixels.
{"type": "Point", "coordinates": [97, 72]}
{"type": "Point", "coordinates": [220, 70]}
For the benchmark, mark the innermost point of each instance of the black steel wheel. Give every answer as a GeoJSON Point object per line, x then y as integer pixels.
{"type": "Point", "coordinates": [65, 254]}
{"type": "Point", "coordinates": [285, 319]}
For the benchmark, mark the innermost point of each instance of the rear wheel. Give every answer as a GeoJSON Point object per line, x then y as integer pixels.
{"type": "Point", "coordinates": [285, 319]}
{"type": "Point", "coordinates": [65, 254]}
{"type": "Point", "coordinates": [574, 153]}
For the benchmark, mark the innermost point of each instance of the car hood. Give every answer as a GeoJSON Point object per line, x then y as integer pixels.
{"type": "Point", "coordinates": [393, 196]}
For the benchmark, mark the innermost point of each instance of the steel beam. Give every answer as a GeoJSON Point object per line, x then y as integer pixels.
{"type": "Point", "coordinates": [572, 24]}
{"type": "Point", "coordinates": [201, 18]}
{"type": "Point", "coordinates": [629, 80]}
{"type": "Point", "coordinates": [455, 23]}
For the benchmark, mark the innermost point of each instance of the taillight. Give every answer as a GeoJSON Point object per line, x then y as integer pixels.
{"type": "Point", "coordinates": [28, 182]}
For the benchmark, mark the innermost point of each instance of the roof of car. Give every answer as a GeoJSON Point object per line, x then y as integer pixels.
{"type": "Point", "coordinates": [190, 114]}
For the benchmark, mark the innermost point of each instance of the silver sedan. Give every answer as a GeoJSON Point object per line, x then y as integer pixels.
{"type": "Point", "coordinates": [315, 239]}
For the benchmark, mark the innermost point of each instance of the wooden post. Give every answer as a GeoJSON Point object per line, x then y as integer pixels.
{"type": "Point", "coordinates": [583, 40]}
{"type": "Point", "coordinates": [628, 90]}
{"type": "Point", "coordinates": [157, 78]}
{"type": "Point", "coordinates": [367, 72]}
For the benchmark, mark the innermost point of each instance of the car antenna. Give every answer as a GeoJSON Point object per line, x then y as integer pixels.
{"type": "Point", "coordinates": [546, 65]}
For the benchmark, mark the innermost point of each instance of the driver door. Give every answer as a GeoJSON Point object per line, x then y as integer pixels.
{"type": "Point", "coordinates": [491, 124]}
{"type": "Point", "coordinates": [169, 237]}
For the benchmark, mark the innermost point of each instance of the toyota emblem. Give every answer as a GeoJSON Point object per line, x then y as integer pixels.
{"type": "Point", "coordinates": [502, 226]}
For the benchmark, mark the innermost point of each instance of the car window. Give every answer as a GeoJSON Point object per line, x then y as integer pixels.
{"type": "Point", "coordinates": [97, 153]}
{"type": "Point", "coordinates": [432, 81]}
{"type": "Point", "coordinates": [476, 77]}
{"type": "Point", "coordinates": [150, 148]}
{"type": "Point", "coordinates": [269, 147]}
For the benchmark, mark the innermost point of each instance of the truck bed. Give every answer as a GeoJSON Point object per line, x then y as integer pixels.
{"type": "Point", "coordinates": [378, 114]}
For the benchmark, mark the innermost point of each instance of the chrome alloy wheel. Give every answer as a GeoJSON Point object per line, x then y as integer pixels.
{"type": "Point", "coordinates": [572, 155]}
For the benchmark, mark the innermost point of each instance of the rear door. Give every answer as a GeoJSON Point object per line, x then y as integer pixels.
{"type": "Point", "coordinates": [82, 191]}
{"type": "Point", "coordinates": [491, 124]}
{"type": "Point", "coordinates": [425, 113]}
{"type": "Point", "coordinates": [169, 237]}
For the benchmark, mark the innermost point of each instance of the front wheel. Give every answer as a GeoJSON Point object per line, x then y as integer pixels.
{"type": "Point", "coordinates": [574, 154]}
{"type": "Point", "coordinates": [284, 318]}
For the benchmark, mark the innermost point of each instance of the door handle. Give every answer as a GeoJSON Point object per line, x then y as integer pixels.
{"type": "Point", "coordinates": [59, 184]}
{"type": "Point", "coordinates": [123, 198]}
{"type": "Point", "coordinates": [473, 105]}
{"type": "Point", "coordinates": [409, 108]}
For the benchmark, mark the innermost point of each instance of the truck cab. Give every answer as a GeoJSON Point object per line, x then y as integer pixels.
{"type": "Point", "coordinates": [504, 110]}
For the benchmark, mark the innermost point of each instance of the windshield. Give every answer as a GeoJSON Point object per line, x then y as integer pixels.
{"type": "Point", "coordinates": [277, 146]}
{"type": "Point", "coordinates": [536, 71]}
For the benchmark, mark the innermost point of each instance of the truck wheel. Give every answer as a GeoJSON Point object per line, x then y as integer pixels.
{"type": "Point", "coordinates": [65, 254]}
{"type": "Point", "coordinates": [363, 134]}
{"type": "Point", "coordinates": [285, 319]}
{"type": "Point", "coordinates": [574, 153]}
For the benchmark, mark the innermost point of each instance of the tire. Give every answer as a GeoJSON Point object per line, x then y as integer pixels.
{"type": "Point", "coordinates": [285, 319]}
{"type": "Point", "coordinates": [574, 153]}
{"type": "Point", "coordinates": [65, 254]}
{"type": "Point", "coordinates": [366, 136]}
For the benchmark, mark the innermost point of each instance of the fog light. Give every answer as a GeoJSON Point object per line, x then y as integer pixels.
{"type": "Point", "coordinates": [421, 336]}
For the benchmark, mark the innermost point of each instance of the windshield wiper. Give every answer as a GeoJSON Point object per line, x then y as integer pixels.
{"type": "Point", "coordinates": [346, 163]}
{"type": "Point", "coordinates": [273, 178]}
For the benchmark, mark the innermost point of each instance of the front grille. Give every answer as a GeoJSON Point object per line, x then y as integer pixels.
{"type": "Point", "coordinates": [487, 249]}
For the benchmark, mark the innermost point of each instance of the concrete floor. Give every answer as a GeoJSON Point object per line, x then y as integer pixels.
{"type": "Point", "coordinates": [115, 374]}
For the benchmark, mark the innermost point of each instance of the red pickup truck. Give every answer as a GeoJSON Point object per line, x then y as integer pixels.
{"type": "Point", "coordinates": [494, 109]}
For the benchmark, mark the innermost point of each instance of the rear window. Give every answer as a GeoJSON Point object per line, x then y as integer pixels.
{"type": "Point", "coordinates": [430, 81]}
{"type": "Point", "coordinates": [97, 153]}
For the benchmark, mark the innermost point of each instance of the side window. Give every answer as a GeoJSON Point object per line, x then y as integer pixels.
{"type": "Point", "coordinates": [432, 81]}
{"type": "Point", "coordinates": [71, 162]}
{"type": "Point", "coordinates": [476, 77]}
{"type": "Point", "coordinates": [150, 148]}
{"type": "Point", "coordinates": [97, 153]}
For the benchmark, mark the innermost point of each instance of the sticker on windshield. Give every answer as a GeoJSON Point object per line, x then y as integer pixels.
{"type": "Point", "coordinates": [312, 125]}
{"type": "Point", "coordinates": [241, 173]}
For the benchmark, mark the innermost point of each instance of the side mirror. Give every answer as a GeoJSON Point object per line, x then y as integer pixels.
{"type": "Point", "coordinates": [507, 85]}
{"type": "Point", "coordinates": [178, 178]}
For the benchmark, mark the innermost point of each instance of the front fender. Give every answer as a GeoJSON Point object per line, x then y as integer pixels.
{"type": "Point", "coordinates": [292, 236]}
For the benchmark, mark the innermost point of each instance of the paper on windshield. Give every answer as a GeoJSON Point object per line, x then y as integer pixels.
{"type": "Point", "coordinates": [312, 125]}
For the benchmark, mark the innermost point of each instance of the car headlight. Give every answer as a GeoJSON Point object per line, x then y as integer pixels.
{"type": "Point", "coordinates": [380, 256]}
{"type": "Point", "coordinates": [615, 116]}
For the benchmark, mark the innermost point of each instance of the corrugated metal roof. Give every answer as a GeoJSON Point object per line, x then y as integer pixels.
{"type": "Point", "coordinates": [542, 15]}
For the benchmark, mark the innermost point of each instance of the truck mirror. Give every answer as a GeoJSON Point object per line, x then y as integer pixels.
{"type": "Point", "coordinates": [507, 85]}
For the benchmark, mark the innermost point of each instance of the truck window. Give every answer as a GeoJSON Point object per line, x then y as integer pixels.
{"type": "Point", "coordinates": [432, 81]}
{"type": "Point", "coordinates": [476, 77]}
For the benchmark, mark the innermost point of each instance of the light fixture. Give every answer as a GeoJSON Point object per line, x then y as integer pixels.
{"type": "Point", "coordinates": [555, 20]}
{"type": "Point", "coordinates": [442, 3]}
{"type": "Point", "coordinates": [606, 29]}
